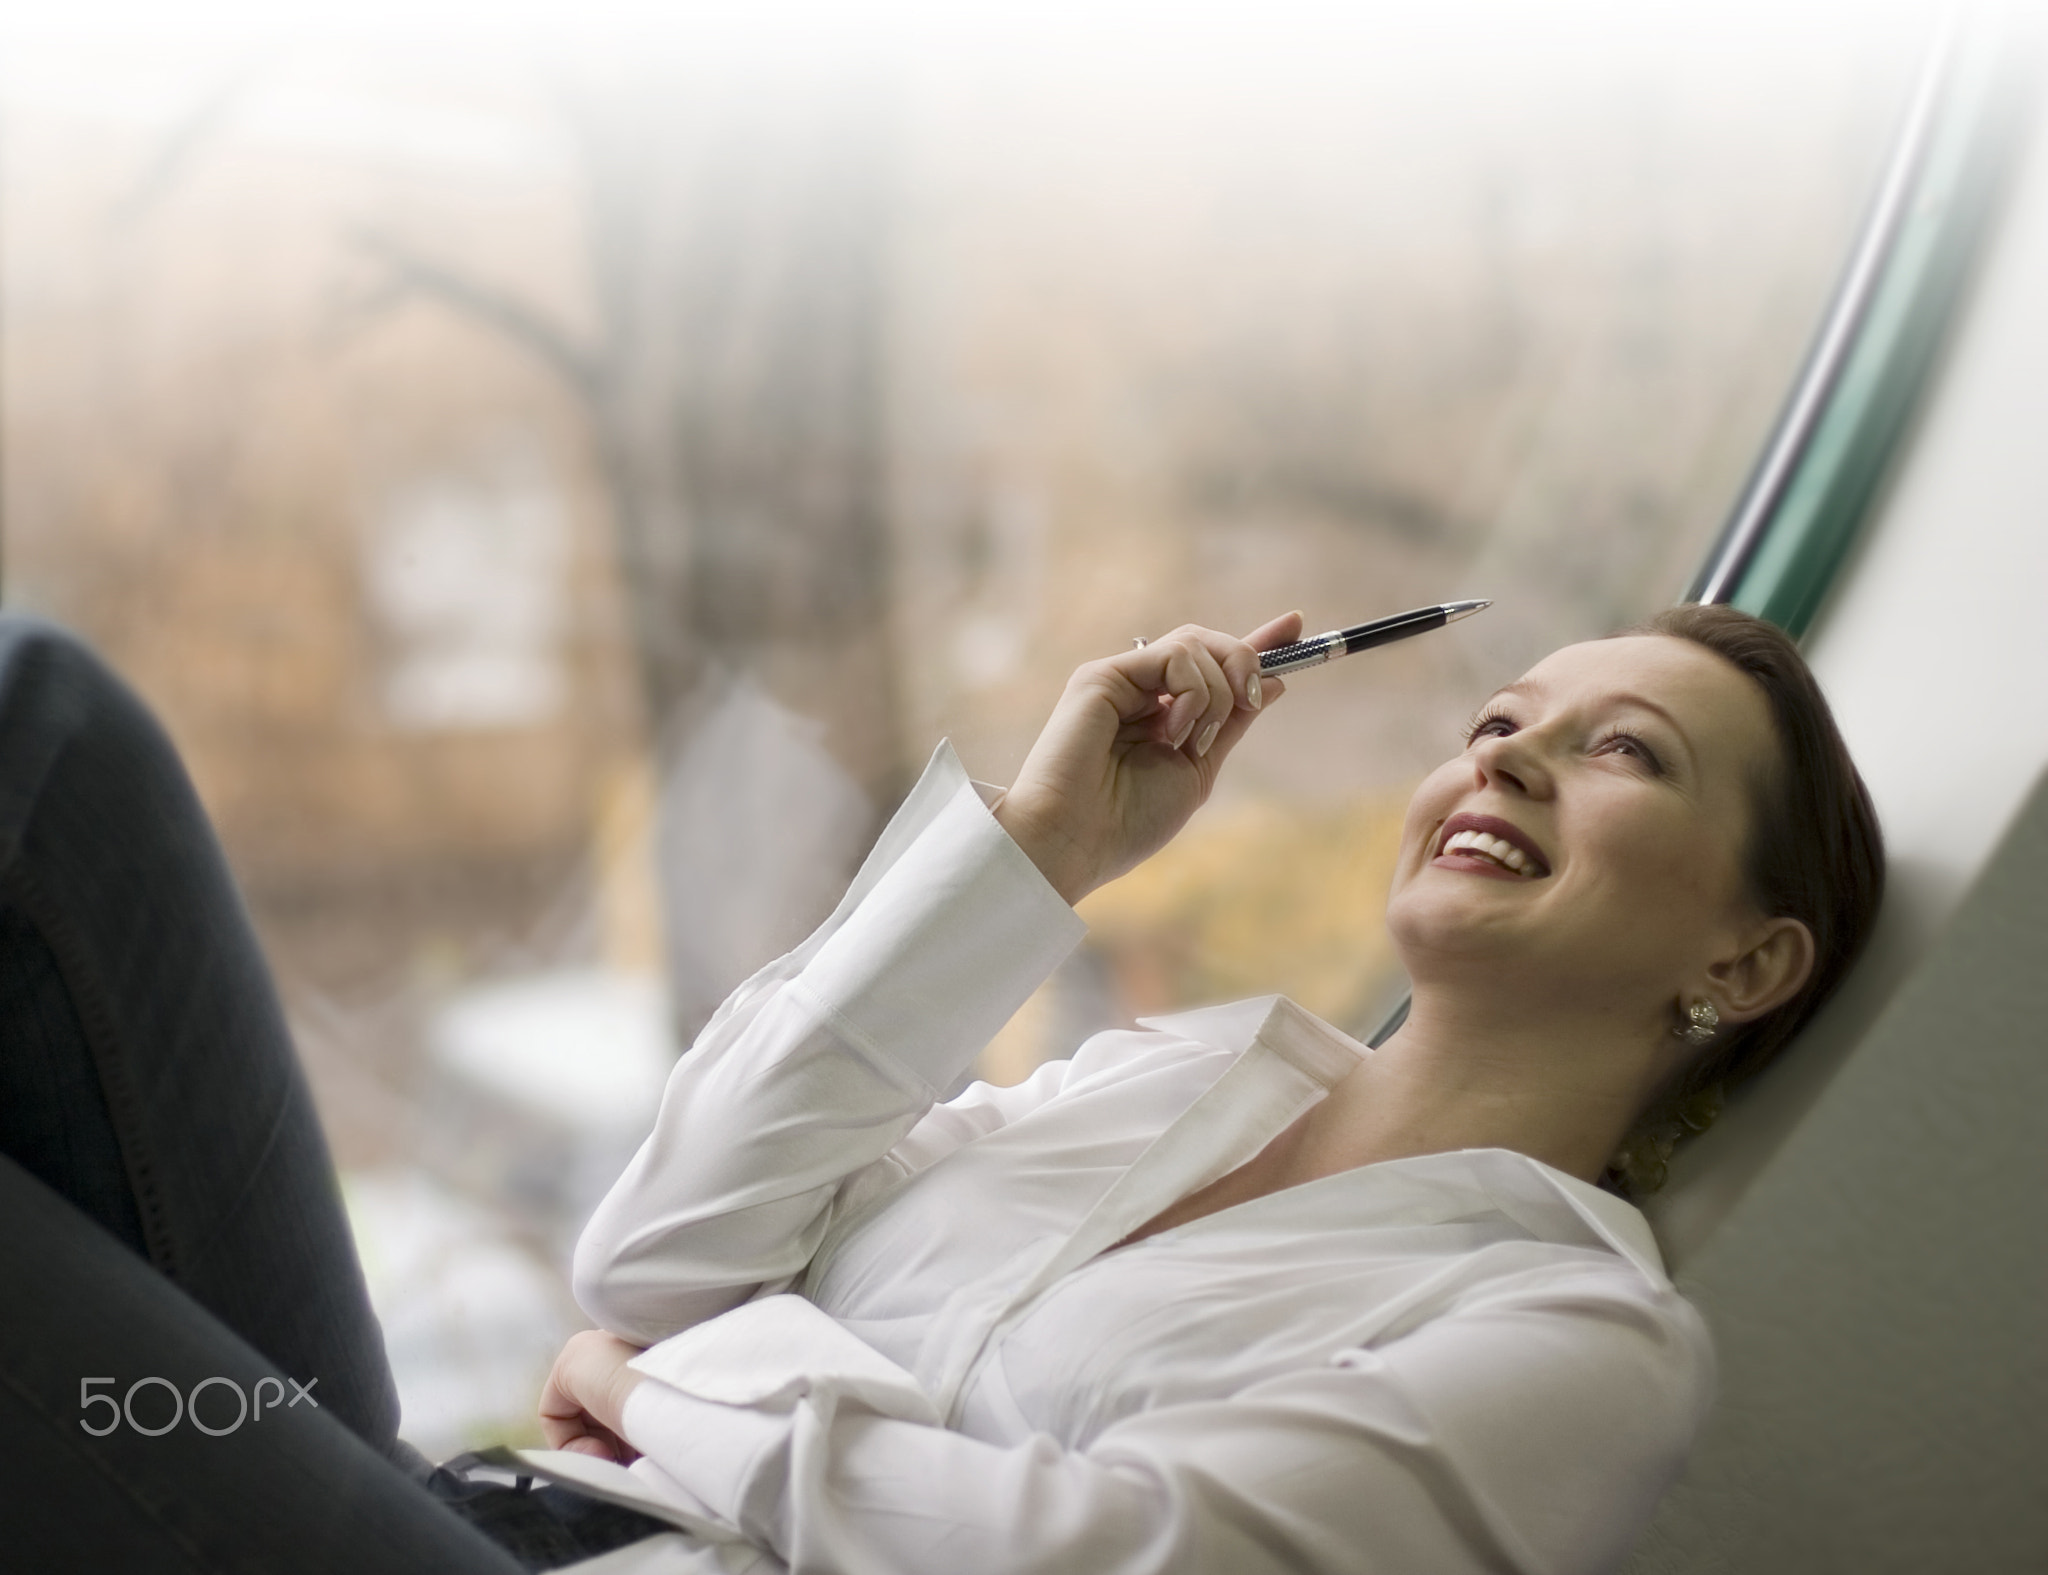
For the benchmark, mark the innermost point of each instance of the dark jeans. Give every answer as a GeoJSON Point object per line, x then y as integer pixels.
{"type": "Point", "coordinates": [170, 1209]}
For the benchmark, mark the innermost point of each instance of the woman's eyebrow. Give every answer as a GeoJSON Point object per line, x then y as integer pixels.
{"type": "Point", "coordinates": [1642, 703]}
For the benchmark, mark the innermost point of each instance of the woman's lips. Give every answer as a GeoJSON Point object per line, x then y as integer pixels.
{"type": "Point", "coordinates": [1491, 846]}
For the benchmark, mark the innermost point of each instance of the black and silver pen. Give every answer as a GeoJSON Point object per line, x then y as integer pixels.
{"type": "Point", "coordinates": [1322, 648]}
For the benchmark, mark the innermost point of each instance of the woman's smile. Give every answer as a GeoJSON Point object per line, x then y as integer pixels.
{"type": "Point", "coordinates": [1488, 845]}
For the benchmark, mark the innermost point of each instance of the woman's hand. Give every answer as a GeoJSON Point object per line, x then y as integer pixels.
{"type": "Point", "coordinates": [1133, 748]}
{"type": "Point", "coordinates": [585, 1396]}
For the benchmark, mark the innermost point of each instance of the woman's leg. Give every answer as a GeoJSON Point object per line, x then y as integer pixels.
{"type": "Point", "coordinates": [146, 1074]}
{"type": "Point", "coordinates": [98, 1474]}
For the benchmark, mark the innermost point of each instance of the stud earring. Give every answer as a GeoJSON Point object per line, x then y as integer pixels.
{"type": "Point", "coordinates": [1703, 1021]}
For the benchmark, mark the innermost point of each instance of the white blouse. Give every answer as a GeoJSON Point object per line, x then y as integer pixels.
{"type": "Point", "coordinates": [905, 1345]}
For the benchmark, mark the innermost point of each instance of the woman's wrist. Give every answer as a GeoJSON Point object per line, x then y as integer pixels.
{"type": "Point", "coordinates": [1054, 854]}
{"type": "Point", "coordinates": [624, 1382]}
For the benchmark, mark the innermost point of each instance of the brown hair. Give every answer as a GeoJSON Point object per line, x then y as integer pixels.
{"type": "Point", "coordinates": [1815, 854]}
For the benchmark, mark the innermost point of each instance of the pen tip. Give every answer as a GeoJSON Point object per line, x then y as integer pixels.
{"type": "Point", "coordinates": [1453, 611]}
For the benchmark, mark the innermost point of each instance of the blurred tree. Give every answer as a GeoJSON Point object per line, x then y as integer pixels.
{"type": "Point", "coordinates": [732, 380]}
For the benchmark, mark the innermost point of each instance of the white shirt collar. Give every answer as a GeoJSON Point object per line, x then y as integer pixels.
{"type": "Point", "coordinates": [1545, 1201]}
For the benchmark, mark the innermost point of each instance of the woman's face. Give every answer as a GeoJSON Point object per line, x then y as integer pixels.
{"type": "Point", "coordinates": [1586, 847]}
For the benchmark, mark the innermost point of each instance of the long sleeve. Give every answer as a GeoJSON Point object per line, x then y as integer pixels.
{"type": "Point", "coordinates": [818, 1066]}
{"type": "Point", "coordinates": [1532, 1431]}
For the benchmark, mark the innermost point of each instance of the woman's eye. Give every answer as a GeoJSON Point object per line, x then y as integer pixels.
{"type": "Point", "coordinates": [1629, 744]}
{"type": "Point", "coordinates": [1488, 727]}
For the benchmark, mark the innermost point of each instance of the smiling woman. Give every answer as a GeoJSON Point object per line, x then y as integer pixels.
{"type": "Point", "coordinates": [1227, 1292]}
{"type": "Point", "coordinates": [1426, 1338]}
{"type": "Point", "coordinates": [1640, 783]}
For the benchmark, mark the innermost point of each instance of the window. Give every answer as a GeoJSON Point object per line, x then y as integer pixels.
{"type": "Point", "coordinates": [558, 493]}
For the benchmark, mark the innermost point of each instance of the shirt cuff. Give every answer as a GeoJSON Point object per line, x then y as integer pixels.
{"type": "Point", "coordinates": [726, 1458]}
{"type": "Point", "coordinates": [716, 1404]}
{"type": "Point", "coordinates": [951, 939]}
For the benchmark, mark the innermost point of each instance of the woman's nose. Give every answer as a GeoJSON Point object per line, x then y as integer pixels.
{"type": "Point", "coordinates": [1513, 763]}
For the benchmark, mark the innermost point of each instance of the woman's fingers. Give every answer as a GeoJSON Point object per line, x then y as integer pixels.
{"type": "Point", "coordinates": [1184, 688]}
{"type": "Point", "coordinates": [1229, 693]}
{"type": "Point", "coordinates": [1203, 693]}
{"type": "Point", "coordinates": [566, 1425]}
{"type": "Point", "coordinates": [1204, 676]}
{"type": "Point", "coordinates": [1240, 723]}
{"type": "Point", "coordinates": [1239, 659]}
{"type": "Point", "coordinates": [1283, 630]}
{"type": "Point", "coordinates": [1240, 662]}
{"type": "Point", "coordinates": [1247, 681]}
{"type": "Point", "coordinates": [581, 1402]}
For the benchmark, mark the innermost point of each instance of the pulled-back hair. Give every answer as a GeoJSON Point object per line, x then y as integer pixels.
{"type": "Point", "coordinates": [1815, 854]}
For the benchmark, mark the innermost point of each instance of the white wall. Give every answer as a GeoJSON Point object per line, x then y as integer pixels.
{"type": "Point", "coordinates": [1865, 1232]}
{"type": "Point", "coordinates": [1934, 652]}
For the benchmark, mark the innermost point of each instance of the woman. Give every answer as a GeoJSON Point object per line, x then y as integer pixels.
{"type": "Point", "coordinates": [1232, 1292]}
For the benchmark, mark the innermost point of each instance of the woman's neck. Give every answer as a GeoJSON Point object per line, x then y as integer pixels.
{"type": "Point", "coordinates": [1451, 1079]}
{"type": "Point", "coordinates": [1458, 1074]}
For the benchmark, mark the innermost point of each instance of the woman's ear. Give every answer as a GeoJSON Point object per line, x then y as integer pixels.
{"type": "Point", "coordinates": [1769, 973]}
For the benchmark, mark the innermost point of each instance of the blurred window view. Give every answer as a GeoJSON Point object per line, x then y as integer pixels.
{"type": "Point", "coordinates": [557, 488]}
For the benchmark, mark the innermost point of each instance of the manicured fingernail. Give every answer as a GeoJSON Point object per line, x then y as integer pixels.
{"type": "Point", "coordinates": [1208, 737]}
{"type": "Point", "coordinates": [1251, 691]}
{"type": "Point", "coordinates": [1180, 735]}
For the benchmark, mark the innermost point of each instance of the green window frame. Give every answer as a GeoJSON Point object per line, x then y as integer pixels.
{"type": "Point", "coordinates": [1833, 445]}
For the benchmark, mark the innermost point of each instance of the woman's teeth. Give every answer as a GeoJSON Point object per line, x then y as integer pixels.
{"type": "Point", "coordinates": [1501, 851]}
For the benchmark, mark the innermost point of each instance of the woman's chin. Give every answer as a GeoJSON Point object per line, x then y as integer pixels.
{"type": "Point", "coordinates": [1440, 911]}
